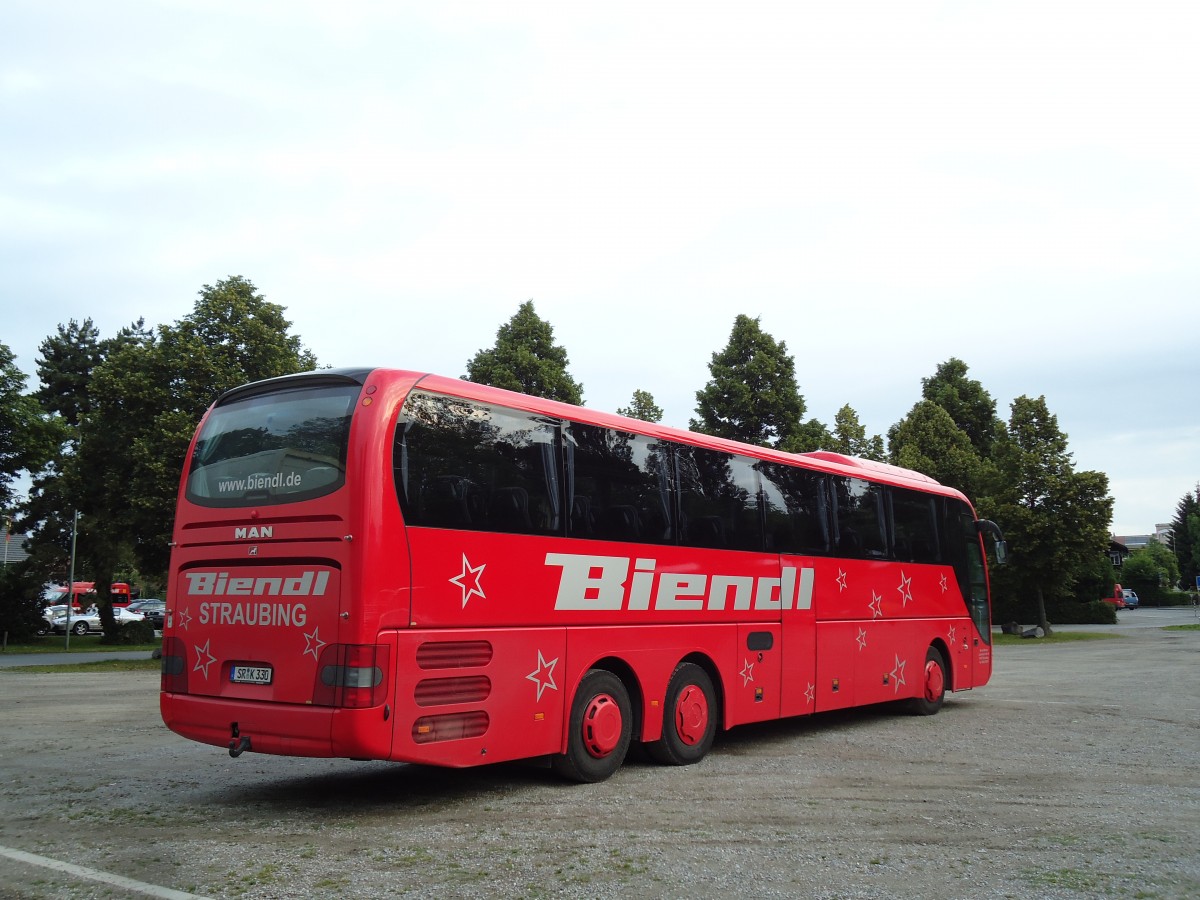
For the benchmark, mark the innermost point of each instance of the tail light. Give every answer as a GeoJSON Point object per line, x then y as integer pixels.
{"type": "Point", "coordinates": [352, 676]}
{"type": "Point", "coordinates": [174, 666]}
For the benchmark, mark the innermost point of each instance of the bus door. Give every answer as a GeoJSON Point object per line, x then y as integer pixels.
{"type": "Point", "coordinates": [799, 638]}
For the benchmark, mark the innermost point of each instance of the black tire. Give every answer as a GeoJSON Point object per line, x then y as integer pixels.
{"type": "Point", "coordinates": [599, 731]}
{"type": "Point", "coordinates": [933, 685]}
{"type": "Point", "coordinates": [690, 715]}
{"type": "Point", "coordinates": [80, 628]}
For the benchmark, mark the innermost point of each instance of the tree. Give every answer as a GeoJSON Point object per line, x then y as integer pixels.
{"type": "Point", "coordinates": [64, 368]}
{"type": "Point", "coordinates": [1151, 571]}
{"type": "Point", "coordinates": [145, 398]}
{"type": "Point", "coordinates": [969, 405]}
{"type": "Point", "coordinates": [1056, 519]}
{"type": "Point", "coordinates": [526, 359]}
{"type": "Point", "coordinates": [27, 438]}
{"type": "Point", "coordinates": [808, 436]}
{"type": "Point", "coordinates": [850, 436]}
{"type": "Point", "coordinates": [929, 441]}
{"type": "Point", "coordinates": [643, 407]}
{"type": "Point", "coordinates": [1185, 537]}
{"type": "Point", "coordinates": [752, 395]}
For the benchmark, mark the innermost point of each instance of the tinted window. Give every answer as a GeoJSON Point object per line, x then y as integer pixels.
{"type": "Point", "coordinates": [797, 509]}
{"type": "Point", "coordinates": [861, 530]}
{"type": "Point", "coordinates": [619, 485]}
{"type": "Point", "coordinates": [914, 527]}
{"type": "Point", "coordinates": [718, 499]}
{"type": "Point", "coordinates": [461, 464]}
{"type": "Point", "coordinates": [270, 448]}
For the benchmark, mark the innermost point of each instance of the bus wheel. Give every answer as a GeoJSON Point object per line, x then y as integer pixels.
{"type": "Point", "coordinates": [599, 731]}
{"type": "Point", "coordinates": [689, 718]}
{"type": "Point", "coordinates": [933, 685]}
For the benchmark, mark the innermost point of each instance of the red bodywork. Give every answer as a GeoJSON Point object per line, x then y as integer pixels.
{"type": "Point", "coordinates": [479, 640]}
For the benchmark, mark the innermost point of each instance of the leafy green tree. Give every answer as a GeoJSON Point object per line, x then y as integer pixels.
{"type": "Point", "coordinates": [969, 405]}
{"type": "Point", "coordinates": [752, 395]}
{"type": "Point", "coordinates": [643, 407]}
{"type": "Point", "coordinates": [145, 398]}
{"type": "Point", "coordinates": [526, 359]}
{"type": "Point", "coordinates": [65, 365]}
{"type": "Point", "coordinates": [850, 436]}
{"type": "Point", "coordinates": [1055, 518]}
{"type": "Point", "coordinates": [1151, 571]}
{"type": "Point", "coordinates": [1185, 537]}
{"type": "Point", "coordinates": [807, 437]}
{"type": "Point", "coordinates": [27, 438]}
{"type": "Point", "coordinates": [929, 441]}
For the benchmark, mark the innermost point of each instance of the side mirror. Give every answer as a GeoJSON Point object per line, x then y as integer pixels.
{"type": "Point", "coordinates": [1001, 548]}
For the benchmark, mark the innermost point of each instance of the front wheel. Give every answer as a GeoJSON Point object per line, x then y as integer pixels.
{"type": "Point", "coordinates": [933, 685]}
{"type": "Point", "coordinates": [689, 718]}
{"type": "Point", "coordinates": [599, 731]}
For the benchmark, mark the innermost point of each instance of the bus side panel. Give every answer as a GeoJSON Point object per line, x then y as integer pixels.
{"type": "Point", "coordinates": [472, 696]}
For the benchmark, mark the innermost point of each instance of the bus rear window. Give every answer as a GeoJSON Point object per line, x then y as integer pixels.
{"type": "Point", "coordinates": [272, 448]}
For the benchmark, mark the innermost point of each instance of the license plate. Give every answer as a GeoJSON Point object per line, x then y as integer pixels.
{"type": "Point", "coordinates": [251, 675]}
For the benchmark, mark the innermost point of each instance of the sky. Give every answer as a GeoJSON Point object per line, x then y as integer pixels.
{"type": "Point", "coordinates": [883, 185]}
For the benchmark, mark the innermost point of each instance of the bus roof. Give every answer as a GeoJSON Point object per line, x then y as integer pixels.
{"type": "Point", "coordinates": [820, 460]}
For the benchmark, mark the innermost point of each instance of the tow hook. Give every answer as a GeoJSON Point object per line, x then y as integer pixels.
{"type": "Point", "coordinates": [238, 746]}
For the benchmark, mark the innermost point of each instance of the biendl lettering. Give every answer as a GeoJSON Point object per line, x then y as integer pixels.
{"type": "Point", "coordinates": [610, 583]}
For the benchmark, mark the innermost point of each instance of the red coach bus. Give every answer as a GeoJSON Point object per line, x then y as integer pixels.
{"type": "Point", "coordinates": [381, 564]}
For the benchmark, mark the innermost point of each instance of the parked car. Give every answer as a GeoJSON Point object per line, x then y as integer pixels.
{"type": "Point", "coordinates": [154, 611]}
{"type": "Point", "coordinates": [90, 621]}
{"type": "Point", "coordinates": [1130, 598]}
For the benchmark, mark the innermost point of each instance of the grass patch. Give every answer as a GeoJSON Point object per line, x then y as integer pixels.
{"type": "Point", "coordinates": [80, 643]}
{"type": "Point", "coordinates": [1059, 637]}
{"type": "Point", "coordinates": [1195, 627]}
{"type": "Point", "coordinates": [103, 665]}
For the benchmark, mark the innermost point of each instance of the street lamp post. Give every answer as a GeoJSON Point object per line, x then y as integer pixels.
{"type": "Point", "coordinates": [71, 579]}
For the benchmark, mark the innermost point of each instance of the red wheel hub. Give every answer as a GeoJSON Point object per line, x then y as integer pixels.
{"type": "Point", "coordinates": [691, 715]}
{"type": "Point", "coordinates": [935, 681]}
{"type": "Point", "coordinates": [602, 725]}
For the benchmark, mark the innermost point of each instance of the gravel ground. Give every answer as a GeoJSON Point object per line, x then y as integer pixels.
{"type": "Point", "coordinates": [1075, 773]}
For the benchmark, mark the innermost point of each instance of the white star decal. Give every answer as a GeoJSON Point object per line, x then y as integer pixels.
{"type": "Point", "coordinates": [952, 633]}
{"type": "Point", "coordinates": [543, 675]}
{"type": "Point", "coordinates": [841, 580]}
{"type": "Point", "coordinates": [184, 619]}
{"type": "Point", "coordinates": [905, 589]}
{"type": "Point", "coordinates": [747, 673]}
{"type": "Point", "coordinates": [810, 693]}
{"type": "Point", "coordinates": [202, 664]}
{"type": "Point", "coordinates": [897, 674]}
{"type": "Point", "coordinates": [313, 644]}
{"type": "Point", "coordinates": [862, 639]}
{"type": "Point", "coordinates": [876, 605]}
{"type": "Point", "coordinates": [943, 583]}
{"type": "Point", "coordinates": [470, 574]}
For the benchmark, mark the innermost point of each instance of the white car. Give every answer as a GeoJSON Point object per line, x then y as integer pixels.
{"type": "Point", "coordinates": [82, 623]}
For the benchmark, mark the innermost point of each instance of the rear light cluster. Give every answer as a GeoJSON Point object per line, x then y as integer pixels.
{"type": "Point", "coordinates": [452, 690]}
{"type": "Point", "coordinates": [174, 666]}
{"type": "Point", "coordinates": [352, 676]}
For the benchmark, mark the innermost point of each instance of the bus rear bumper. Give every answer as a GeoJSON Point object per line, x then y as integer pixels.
{"type": "Point", "coordinates": [280, 729]}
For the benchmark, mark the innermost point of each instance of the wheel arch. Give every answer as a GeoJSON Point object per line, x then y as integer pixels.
{"type": "Point", "coordinates": [633, 685]}
{"type": "Point", "coordinates": [941, 647]}
{"type": "Point", "coordinates": [705, 662]}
